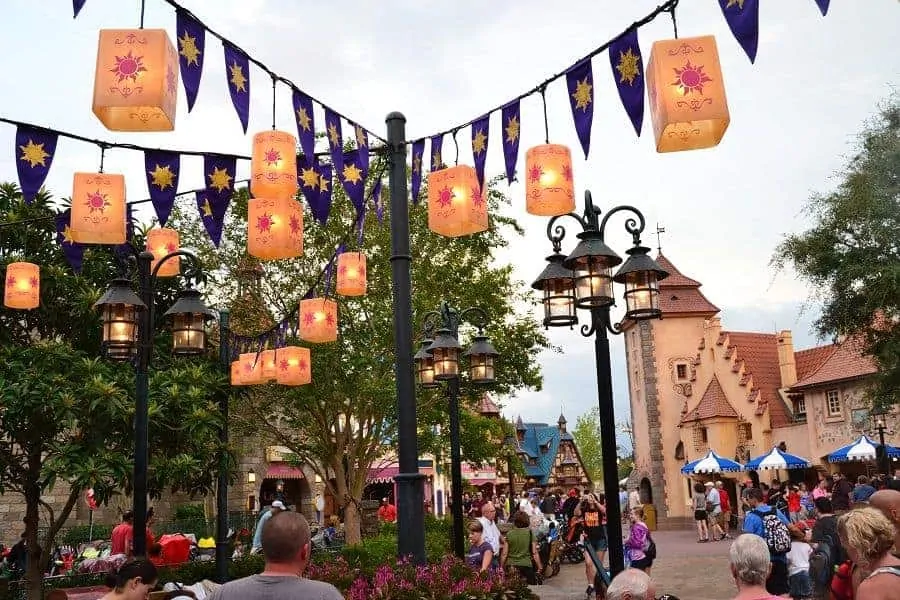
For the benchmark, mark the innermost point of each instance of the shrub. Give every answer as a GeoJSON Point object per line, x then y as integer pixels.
{"type": "Point", "coordinates": [84, 533]}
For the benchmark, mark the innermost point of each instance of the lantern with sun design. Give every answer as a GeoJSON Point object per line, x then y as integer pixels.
{"type": "Point", "coordinates": [687, 96]}
{"type": "Point", "coordinates": [318, 320]}
{"type": "Point", "coordinates": [273, 165]}
{"type": "Point", "coordinates": [23, 286]}
{"type": "Point", "coordinates": [236, 373]}
{"type": "Point", "coordinates": [98, 209]}
{"type": "Point", "coordinates": [251, 368]}
{"type": "Point", "coordinates": [274, 228]}
{"type": "Point", "coordinates": [136, 81]}
{"type": "Point", "coordinates": [293, 365]}
{"type": "Point", "coordinates": [268, 365]}
{"type": "Point", "coordinates": [162, 241]}
{"type": "Point", "coordinates": [549, 189]}
{"type": "Point", "coordinates": [456, 204]}
{"type": "Point", "coordinates": [351, 274]}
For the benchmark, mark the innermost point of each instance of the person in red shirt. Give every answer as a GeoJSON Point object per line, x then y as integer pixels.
{"type": "Point", "coordinates": [387, 512]}
{"type": "Point", "coordinates": [725, 503]}
{"type": "Point", "coordinates": [123, 534]}
{"type": "Point", "coordinates": [793, 502]}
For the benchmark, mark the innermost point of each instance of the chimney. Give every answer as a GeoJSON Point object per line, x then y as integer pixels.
{"type": "Point", "coordinates": [787, 364]}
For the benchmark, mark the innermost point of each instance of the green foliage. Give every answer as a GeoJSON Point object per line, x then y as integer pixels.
{"type": "Point", "coordinates": [587, 440]}
{"type": "Point", "coordinates": [850, 255]}
{"type": "Point", "coordinates": [85, 533]}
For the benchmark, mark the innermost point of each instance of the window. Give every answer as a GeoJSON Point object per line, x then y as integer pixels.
{"type": "Point", "coordinates": [681, 371]}
{"type": "Point", "coordinates": [833, 403]}
{"type": "Point", "coordinates": [800, 409]}
{"type": "Point", "coordinates": [703, 436]}
{"type": "Point", "coordinates": [532, 461]}
{"type": "Point", "coordinates": [545, 449]}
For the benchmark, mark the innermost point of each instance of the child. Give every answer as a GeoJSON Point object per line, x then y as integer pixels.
{"type": "Point", "coordinates": [806, 502]}
{"type": "Point", "coordinates": [793, 502]}
{"type": "Point", "coordinates": [798, 565]}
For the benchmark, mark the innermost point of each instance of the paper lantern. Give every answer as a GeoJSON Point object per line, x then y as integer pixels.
{"type": "Point", "coordinates": [161, 242]}
{"type": "Point", "coordinates": [294, 365]}
{"type": "Point", "coordinates": [318, 320]}
{"type": "Point", "coordinates": [98, 209]}
{"type": "Point", "coordinates": [136, 81]}
{"type": "Point", "coordinates": [273, 165]}
{"type": "Point", "coordinates": [549, 189]}
{"type": "Point", "coordinates": [274, 228]}
{"type": "Point", "coordinates": [23, 286]}
{"type": "Point", "coordinates": [251, 369]}
{"type": "Point", "coordinates": [351, 274]}
{"type": "Point", "coordinates": [687, 95]}
{"type": "Point", "coordinates": [269, 372]}
{"type": "Point", "coordinates": [456, 205]}
{"type": "Point", "coordinates": [236, 373]}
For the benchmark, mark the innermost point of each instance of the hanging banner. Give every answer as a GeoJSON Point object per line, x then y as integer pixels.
{"type": "Point", "coordinates": [72, 250]}
{"type": "Point", "coordinates": [628, 73]}
{"type": "Point", "coordinates": [362, 144]}
{"type": "Point", "coordinates": [823, 6]}
{"type": "Point", "coordinates": [335, 139]}
{"type": "Point", "coordinates": [212, 213]}
{"type": "Point", "coordinates": [480, 129]}
{"type": "Point", "coordinates": [324, 204]}
{"type": "Point", "coordinates": [191, 45]}
{"type": "Point", "coordinates": [580, 81]}
{"type": "Point", "coordinates": [308, 180]}
{"type": "Point", "coordinates": [77, 5]}
{"type": "Point", "coordinates": [376, 199]}
{"type": "Point", "coordinates": [162, 169]}
{"type": "Point", "coordinates": [742, 17]}
{"type": "Point", "coordinates": [237, 72]}
{"type": "Point", "coordinates": [34, 150]}
{"type": "Point", "coordinates": [306, 124]}
{"type": "Point", "coordinates": [437, 160]}
{"type": "Point", "coordinates": [510, 120]}
{"type": "Point", "coordinates": [418, 151]}
{"type": "Point", "coordinates": [353, 178]}
{"type": "Point", "coordinates": [214, 200]}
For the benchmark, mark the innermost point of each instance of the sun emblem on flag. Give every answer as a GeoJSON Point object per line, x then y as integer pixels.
{"type": "Point", "coordinates": [189, 49]}
{"type": "Point", "coordinates": [417, 163]}
{"type": "Point", "coordinates": [333, 136]}
{"type": "Point", "coordinates": [629, 67]}
{"type": "Point", "coordinates": [691, 78]}
{"type": "Point", "coordinates": [479, 142]}
{"type": "Point", "coordinates": [360, 137]}
{"type": "Point", "coordinates": [310, 178]}
{"type": "Point", "coordinates": [738, 3]}
{"type": "Point", "coordinates": [238, 79]}
{"type": "Point", "coordinates": [309, 318]}
{"type": "Point", "coordinates": [324, 182]}
{"type": "Point", "coordinates": [34, 154]}
{"type": "Point", "coordinates": [220, 179]}
{"type": "Point", "coordinates": [303, 118]}
{"type": "Point", "coordinates": [207, 208]}
{"type": "Point", "coordinates": [128, 67]}
{"type": "Point", "coordinates": [264, 223]}
{"type": "Point", "coordinates": [97, 201]}
{"type": "Point", "coordinates": [352, 174]}
{"type": "Point", "coordinates": [295, 225]}
{"type": "Point", "coordinates": [162, 177]}
{"type": "Point", "coordinates": [512, 130]}
{"type": "Point", "coordinates": [436, 161]}
{"type": "Point", "coordinates": [535, 173]}
{"type": "Point", "coordinates": [272, 156]}
{"type": "Point", "coordinates": [67, 235]}
{"type": "Point", "coordinates": [582, 94]}
{"type": "Point", "coordinates": [445, 197]}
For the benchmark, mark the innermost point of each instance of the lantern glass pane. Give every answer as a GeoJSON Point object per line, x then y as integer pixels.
{"type": "Point", "coordinates": [559, 302]}
{"type": "Point", "coordinates": [641, 295]}
{"type": "Point", "coordinates": [593, 284]}
{"type": "Point", "coordinates": [119, 331]}
{"type": "Point", "coordinates": [446, 363]}
{"type": "Point", "coordinates": [425, 371]}
{"type": "Point", "coordinates": [481, 368]}
{"type": "Point", "coordinates": [188, 334]}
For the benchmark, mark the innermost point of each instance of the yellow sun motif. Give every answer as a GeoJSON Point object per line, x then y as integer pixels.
{"type": "Point", "coordinates": [352, 173]}
{"type": "Point", "coordinates": [207, 208]}
{"type": "Point", "coordinates": [238, 80]}
{"type": "Point", "coordinates": [189, 50]}
{"type": "Point", "coordinates": [34, 154]}
{"type": "Point", "coordinates": [67, 235]}
{"type": "Point", "coordinates": [479, 142]}
{"type": "Point", "coordinates": [582, 94]}
{"type": "Point", "coordinates": [629, 67]}
{"type": "Point", "coordinates": [323, 183]}
{"type": "Point", "coordinates": [333, 136]}
{"type": "Point", "coordinates": [512, 129]}
{"type": "Point", "coordinates": [303, 118]}
{"type": "Point", "coordinates": [417, 164]}
{"type": "Point", "coordinates": [220, 179]}
{"type": "Point", "coordinates": [436, 160]}
{"type": "Point", "coordinates": [738, 3]}
{"type": "Point", "coordinates": [360, 137]}
{"type": "Point", "coordinates": [163, 177]}
{"type": "Point", "coordinates": [310, 178]}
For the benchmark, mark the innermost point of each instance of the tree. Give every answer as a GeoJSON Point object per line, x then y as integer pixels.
{"type": "Point", "coordinates": [851, 254]}
{"type": "Point", "coordinates": [587, 438]}
{"type": "Point", "coordinates": [345, 422]}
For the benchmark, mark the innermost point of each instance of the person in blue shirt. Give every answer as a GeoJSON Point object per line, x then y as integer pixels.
{"type": "Point", "coordinates": [863, 491]}
{"type": "Point", "coordinates": [276, 508]}
{"type": "Point", "coordinates": [777, 583]}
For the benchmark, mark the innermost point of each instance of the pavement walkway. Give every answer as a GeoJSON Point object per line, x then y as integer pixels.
{"type": "Point", "coordinates": [683, 568]}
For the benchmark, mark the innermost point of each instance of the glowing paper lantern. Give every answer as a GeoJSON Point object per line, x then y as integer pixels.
{"type": "Point", "coordinates": [267, 357]}
{"type": "Point", "coordinates": [98, 209]}
{"type": "Point", "coordinates": [318, 320]}
{"type": "Point", "coordinates": [136, 81]}
{"type": "Point", "coordinates": [351, 274]}
{"type": "Point", "coordinates": [274, 228]}
{"type": "Point", "coordinates": [456, 205]}
{"type": "Point", "coordinates": [251, 369]}
{"type": "Point", "coordinates": [162, 241]}
{"type": "Point", "coordinates": [23, 286]}
{"type": "Point", "coordinates": [273, 165]}
{"type": "Point", "coordinates": [687, 95]}
{"type": "Point", "coordinates": [294, 365]}
{"type": "Point", "coordinates": [549, 189]}
{"type": "Point", "coordinates": [236, 373]}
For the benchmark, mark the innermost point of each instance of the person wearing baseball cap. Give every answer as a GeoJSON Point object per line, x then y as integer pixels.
{"type": "Point", "coordinates": [275, 508]}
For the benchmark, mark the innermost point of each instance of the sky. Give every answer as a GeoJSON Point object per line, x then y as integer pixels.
{"type": "Point", "coordinates": [794, 117]}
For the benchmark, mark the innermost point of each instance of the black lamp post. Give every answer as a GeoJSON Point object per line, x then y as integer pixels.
{"type": "Point", "coordinates": [438, 360]}
{"type": "Point", "coordinates": [584, 280]}
{"type": "Point", "coordinates": [884, 461]}
{"type": "Point", "coordinates": [127, 320]}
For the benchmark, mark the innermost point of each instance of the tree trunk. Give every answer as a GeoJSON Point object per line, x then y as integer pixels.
{"type": "Point", "coordinates": [56, 524]}
{"type": "Point", "coordinates": [352, 524]}
{"type": "Point", "coordinates": [33, 570]}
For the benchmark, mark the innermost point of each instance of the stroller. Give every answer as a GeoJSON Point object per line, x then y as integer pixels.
{"type": "Point", "coordinates": [551, 550]}
{"type": "Point", "coordinates": [569, 534]}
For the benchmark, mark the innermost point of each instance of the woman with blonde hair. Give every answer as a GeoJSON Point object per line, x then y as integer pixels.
{"type": "Point", "coordinates": [868, 538]}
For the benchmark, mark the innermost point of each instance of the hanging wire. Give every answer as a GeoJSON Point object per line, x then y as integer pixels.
{"type": "Point", "coordinates": [546, 120]}
{"type": "Point", "coordinates": [674, 20]}
{"type": "Point", "coordinates": [456, 144]}
{"type": "Point", "coordinates": [102, 156]}
{"type": "Point", "coordinates": [143, 8]}
{"type": "Point", "coordinates": [274, 81]}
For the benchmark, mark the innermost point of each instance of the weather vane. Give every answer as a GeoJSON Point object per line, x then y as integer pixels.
{"type": "Point", "coordinates": [659, 230]}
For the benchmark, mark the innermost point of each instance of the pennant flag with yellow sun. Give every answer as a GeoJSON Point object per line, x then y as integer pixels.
{"type": "Point", "coordinates": [306, 125]}
{"type": "Point", "coordinates": [335, 138]}
{"type": "Point", "coordinates": [323, 205]}
{"type": "Point", "coordinates": [308, 180]}
{"type": "Point", "coordinates": [214, 200]}
{"type": "Point", "coordinates": [72, 250]}
{"type": "Point", "coordinates": [191, 46]}
{"type": "Point", "coordinates": [376, 200]}
{"type": "Point", "coordinates": [628, 73]}
{"type": "Point", "coordinates": [237, 74]}
{"type": "Point", "coordinates": [353, 178]}
{"type": "Point", "coordinates": [124, 251]}
{"type": "Point", "coordinates": [34, 154]}
{"type": "Point", "coordinates": [362, 144]}
{"type": "Point", "coordinates": [580, 82]}
{"type": "Point", "coordinates": [162, 169]}
{"type": "Point", "coordinates": [418, 151]}
{"type": "Point", "coordinates": [77, 5]}
{"type": "Point", "coordinates": [437, 159]}
{"type": "Point", "coordinates": [212, 213]}
{"type": "Point", "coordinates": [742, 17]}
{"type": "Point", "coordinates": [509, 120]}
{"type": "Point", "coordinates": [480, 145]}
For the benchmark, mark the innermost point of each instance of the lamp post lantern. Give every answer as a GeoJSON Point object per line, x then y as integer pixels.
{"type": "Point", "coordinates": [884, 461]}
{"type": "Point", "coordinates": [584, 280]}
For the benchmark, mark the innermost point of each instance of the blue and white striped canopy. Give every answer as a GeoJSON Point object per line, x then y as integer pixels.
{"type": "Point", "coordinates": [711, 463]}
{"type": "Point", "coordinates": [776, 459]}
{"type": "Point", "coordinates": [862, 449]}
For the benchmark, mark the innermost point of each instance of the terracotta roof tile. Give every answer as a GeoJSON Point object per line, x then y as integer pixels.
{"type": "Point", "coordinates": [713, 404]}
{"type": "Point", "coordinates": [487, 407]}
{"type": "Point", "coordinates": [809, 360]}
{"type": "Point", "coordinates": [675, 278]}
{"type": "Point", "coordinates": [846, 361]}
{"type": "Point", "coordinates": [759, 351]}
{"type": "Point", "coordinates": [679, 294]}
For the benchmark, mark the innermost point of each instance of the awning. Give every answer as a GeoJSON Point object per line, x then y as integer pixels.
{"type": "Point", "coordinates": [382, 475]}
{"type": "Point", "coordinates": [481, 482]}
{"type": "Point", "coordinates": [283, 472]}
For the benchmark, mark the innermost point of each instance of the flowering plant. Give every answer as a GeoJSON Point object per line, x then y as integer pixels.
{"type": "Point", "coordinates": [447, 579]}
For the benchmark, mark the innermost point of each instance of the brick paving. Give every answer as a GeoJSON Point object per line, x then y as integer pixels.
{"type": "Point", "coordinates": [684, 568]}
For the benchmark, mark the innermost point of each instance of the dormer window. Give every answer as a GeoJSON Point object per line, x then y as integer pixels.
{"type": "Point", "coordinates": [545, 448]}
{"type": "Point", "coordinates": [532, 461]}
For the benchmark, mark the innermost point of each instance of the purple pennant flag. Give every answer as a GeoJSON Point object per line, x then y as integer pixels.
{"type": "Point", "coordinates": [362, 144]}
{"type": "Point", "coordinates": [743, 19]}
{"type": "Point", "coordinates": [34, 150]}
{"type": "Point", "coordinates": [212, 213]}
{"type": "Point", "coordinates": [213, 202]}
{"type": "Point", "coordinates": [580, 82]}
{"type": "Point", "coordinates": [418, 151]}
{"type": "Point", "coordinates": [509, 120]}
{"type": "Point", "coordinates": [123, 251]}
{"type": "Point", "coordinates": [237, 73]}
{"type": "Point", "coordinates": [480, 145]}
{"type": "Point", "coordinates": [823, 6]}
{"type": "Point", "coordinates": [376, 199]}
{"type": "Point", "coordinates": [321, 212]}
{"type": "Point", "coordinates": [308, 180]}
{"type": "Point", "coordinates": [306, 124]}
{"type": "Point", "coordinates": [77, 5]}
{"type": "Point", "coordinates": [191, 45]}
{"type": "Point", "coordinates": [437, 160]}
{"type": "Point", "coordinates": [162, 169]}
{"type": "Point", "coordinates": [628, 73]}
{"type": "Point", "coordinates": [335, 139]}
{"type": "Point", "coordinates": [73, 251]}
{"type": "Point", "coordinates": [353, 178]}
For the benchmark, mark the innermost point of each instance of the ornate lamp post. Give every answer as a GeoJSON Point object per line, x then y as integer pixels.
{"type": "Point", "coordinates": [510, 454]}
{"type": "Point", "coordinates": [584, 280]}
{"type": "Point", "coordinates": [884, 461]}
{"type": "Point", "coordinates": [438, 360]}
{"type": "Point", "coordinates": [127, 320]}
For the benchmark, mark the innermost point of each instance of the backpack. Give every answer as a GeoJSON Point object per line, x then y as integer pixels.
{"type": "Point", "coordinates": [775, 531]}
{"type": "Point", "coordinates": [650, 552]}
{"type": "Point", "coordinates": [822, 564]}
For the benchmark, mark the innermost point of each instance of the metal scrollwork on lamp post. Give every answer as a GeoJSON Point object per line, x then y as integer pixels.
{"type": "Point", "coordinates": [878, 415]}
{"type": "Point", "coordinates": [584, 280]}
